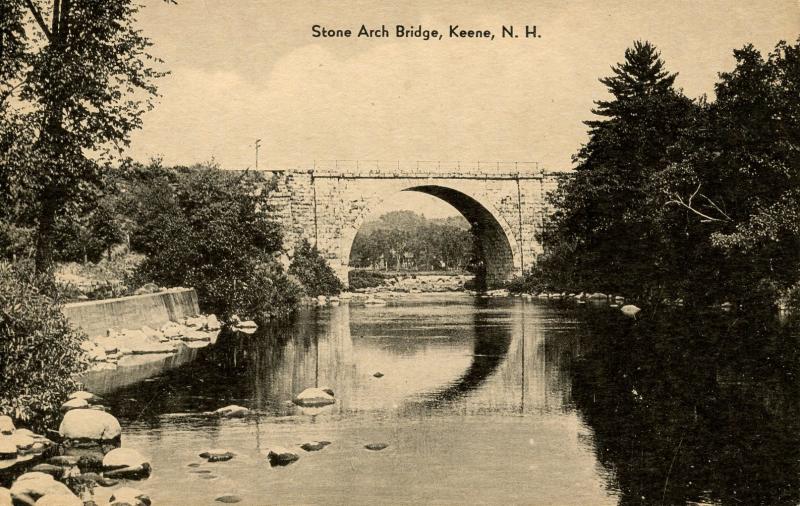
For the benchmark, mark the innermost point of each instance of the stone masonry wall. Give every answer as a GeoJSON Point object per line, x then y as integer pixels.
{"type": "Point", "coordinates": [327, 207]}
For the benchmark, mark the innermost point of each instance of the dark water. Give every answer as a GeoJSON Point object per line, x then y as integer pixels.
{"type": "Point", "coordinates": [483, 401]}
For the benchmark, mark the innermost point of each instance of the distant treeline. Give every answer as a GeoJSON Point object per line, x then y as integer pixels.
{"type": "Point", "coordinates": [681, 198]}
{"type": "Point", "coordinates": [407, 240]}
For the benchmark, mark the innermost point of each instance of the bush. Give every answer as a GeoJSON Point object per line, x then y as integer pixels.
{"type": "Point", "coordinates": [40, 353]}
{"type": "Point", "coordinates": [359, 279]}
{"type": "Point", "coordinates": [313, 271]}
{"type": "Point", "coordinates": [213, 233]}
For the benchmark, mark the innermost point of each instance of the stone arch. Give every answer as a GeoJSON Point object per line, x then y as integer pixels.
{"type": "Point", "coordinates": [498, 241]}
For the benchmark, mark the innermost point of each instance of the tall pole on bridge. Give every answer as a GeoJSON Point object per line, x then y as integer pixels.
{"type": "Point", "coordinates": [258, 145]}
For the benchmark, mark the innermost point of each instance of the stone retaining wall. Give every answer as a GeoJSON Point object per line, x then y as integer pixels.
{"type": "Point", "coordinates": [154, 310]}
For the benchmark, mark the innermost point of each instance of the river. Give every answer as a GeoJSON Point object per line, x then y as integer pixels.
{"type": "Point", "coordinates": [482, 401]}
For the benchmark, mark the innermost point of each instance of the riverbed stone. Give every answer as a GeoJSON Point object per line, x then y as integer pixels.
{"type": "Point", "coordinates": [232, 411]}
{"type": "Point", "coordinates": [56, 472]}
{"type": "Point", "coordinates": [217, 455]}
{"type": "Point", "coordinates": [376, 446]}
{"type": "Point", "coordinates": [89, 425]}
{"type": "Point", "coordinates": [59, 500]}
{"type": "Point", "coordinates": [212, 323]}
{"type": "Point", "coordinates": [126, 463]}
{"type": "Point", "coordinates": [312, 446]}
{"type": "Point", "coordinates": [5, 497]}
{"type": "Point", "coordinates": [36, 485]}
{"type": "Point", "coordinates": [6, 425]}
{"type": "Point", "coordinates": [63, 460]}
{"type": "Point", "coordinates": [129, 496]}
{"type": "Point", "coordinates": [228, 498]}
{"type": "Point", "coordinates": [279, 456]}
{"type": "Point", "coordinates": [87, 396]}
{"type": "Point", "coordinates": [378, 374]}
{"type": "Point", "coordinates": [314, 397]}
{"type": "Point", "coordinates": [8, 448]}
{"type": "Point", "coordinates": [247, 324]}
{"type": "Point", "coordinates": [23, 441]}
{"type": "Point", "coordinates": [630, 310]}
{"type": "Point", "coordinates": [74, 404]}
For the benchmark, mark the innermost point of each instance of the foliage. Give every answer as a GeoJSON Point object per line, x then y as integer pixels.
{"type": "Point", "coordinates": [313, 271]}
{"type": "Point", "coordinates": [212, 231]}
{"type": "Point", "coordinates": [40, 353]}
{"type": "Point", "coordinates": [674, 198]}
{"type": "Point", "coordinates": [76, 78]}
{"type": "Point", "coordinates": [407, 240]}
{"type": "Point", "coordinates": [361, 278]}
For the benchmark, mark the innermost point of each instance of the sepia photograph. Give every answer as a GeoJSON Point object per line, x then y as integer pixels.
{"type": "Point", "coordinates": [415, 252]}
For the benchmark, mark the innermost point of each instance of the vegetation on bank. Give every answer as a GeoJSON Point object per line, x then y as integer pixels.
{"type": "Point", "coordinates": [405, 240]}
{"type": "Point", "coordinates": [679, 198]}
{"type": "Point", "coordinates": [40, 354]}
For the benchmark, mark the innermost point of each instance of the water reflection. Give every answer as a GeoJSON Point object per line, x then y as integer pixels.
{"type": "Point", "coordinates": [693, 407]}
{"type": "Point", "coordinates": [492, 400]}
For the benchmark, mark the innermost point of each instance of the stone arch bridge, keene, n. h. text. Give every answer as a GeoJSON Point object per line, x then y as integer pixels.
{"type": "Point", "coordinates": [504, 201]}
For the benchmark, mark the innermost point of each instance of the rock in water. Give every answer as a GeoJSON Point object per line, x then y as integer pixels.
{"type": "Point", "coordinates": [217, 455]}
{"type": "Point", "coordinates": [8, 448]}
{"type": "Point", "coordinates": [314, 397]}
{"type": "Point", "coordinates": [129, 496]}
{"type": "Point", "coordinates": [87, 396]}
{"type": "Point", "coordinates": [378, 374]}
{"type": "Point", "coordinates": [212, 323]}
{"type": "Point", "coordinates": [630, 310]}
{"type": "Point", "coordinates": [36, 485]}
{"type": "Point", "coordinates": [74, 404]}
{"type": "Point", "coordinates": [89, 425]}
{"type": "Point", "coordinates": [281, 456]}
{"type": "Point", "coordinates": [125, 463]}
{"type": "Point", "coordinates": [376, 446]}
{"type": "Point", "coordinates": [6, 425]}
{"type": "Point", "coordinates": [59, 500]}
{"type": "Point", "coordinates": [228, 499]}
{"type": "Point", "coordinates": [312, 446]}
{"type": "Point", "coordinates": [232, 411]}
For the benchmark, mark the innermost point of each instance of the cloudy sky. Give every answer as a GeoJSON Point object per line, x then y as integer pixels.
{"type": "Point", "coordinates": [251, 69]}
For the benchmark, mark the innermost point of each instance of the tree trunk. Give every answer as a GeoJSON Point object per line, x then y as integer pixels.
{"type": "Point", "coordinates": [44, 234]}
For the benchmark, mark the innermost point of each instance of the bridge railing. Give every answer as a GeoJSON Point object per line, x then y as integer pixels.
{"type": "Point", "coordinates": [426, 165]}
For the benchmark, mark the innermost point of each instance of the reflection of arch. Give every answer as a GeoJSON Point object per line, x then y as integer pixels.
{"type": "Point", "coordinates": [498, 241]}
{"type": "Point", "coordinates": [490, 349]}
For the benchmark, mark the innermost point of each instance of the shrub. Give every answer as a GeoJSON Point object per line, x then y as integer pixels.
{"type": "Point", "coordinates": [359, 279]}
{"type": "Point", "coordinates": [40, 353]}
{"type": "Point", "coordinates": [313, 271]}
{"type": "Point", "coordinates": [214, 234]}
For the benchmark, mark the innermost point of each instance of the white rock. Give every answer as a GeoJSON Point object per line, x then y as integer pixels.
{"type": "Point", "coordinates": [83, 394]}
{"type": "Point", "coordinates": [232, 411]}
{"type": "Point", "coordinates": [74, 404]}
{"type": "Point", "coordinates": [212, 323]}
{"type": "Point", "coordinates": [89, 424]}
{"type": "Point", "coordinates": [630, 310]}
{"type": "Point", "coordinates": [59, 500]}
{"type": "Point", "coordinates": [123, 457]}
{"type": "Point", "coordinates": [151, 332]}
{"type": "Point", "coordinates": [8, 448]}
{"type": "Point", "coordinates": [5, 497]}
{"type": "Point", "coordinates": [37, 484]}
{"type": "Point", "coordinates": [6, 425]}
{"type": "Point", "coordinates": [129, 496]}
{"type": "Point", "coordinates": [314, 397]}
{"type": "Point", "coordinates": [247, 324]}
{"type": "Point", "coordinates": [23, 441]}
{"type": "Point", "coordinates": [196, 322]}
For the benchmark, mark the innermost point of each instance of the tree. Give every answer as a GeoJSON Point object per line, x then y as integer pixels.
{"type": "Point", "coordinates": [76, 80]}
{"type": "Point", "coordinates": [602, 222]}
{"type": "Point", "coordinates": [738, 181]}
{"type": "Point", "coordinates": [313, 271]}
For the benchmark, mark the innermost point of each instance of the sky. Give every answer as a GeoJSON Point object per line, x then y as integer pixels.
{"type": "Point", "coordinates": [249, 69]}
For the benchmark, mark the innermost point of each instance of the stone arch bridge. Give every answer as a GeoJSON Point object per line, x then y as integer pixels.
{"type": "Point", "coordinates": [504, 202]}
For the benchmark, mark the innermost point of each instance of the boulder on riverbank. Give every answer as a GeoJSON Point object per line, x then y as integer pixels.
{"type": "Point", "coordinates": [35, 485]}
{"type": "Point", "coordinates": [89, 425]}
{"type": "Point", "coordinates": [125, 463]}
{"type": "Point", "coordinates": [129, 496]}
{"type": "Point", "coordinates": [232, 411]}
{"type": "Point", "coordinates": [6, 425]}
{"type": "Point", "coordinates": [314, 397]}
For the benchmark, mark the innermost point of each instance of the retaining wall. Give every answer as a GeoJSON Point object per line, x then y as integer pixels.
{"type": "Point", "coordinates": [154, 310]}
